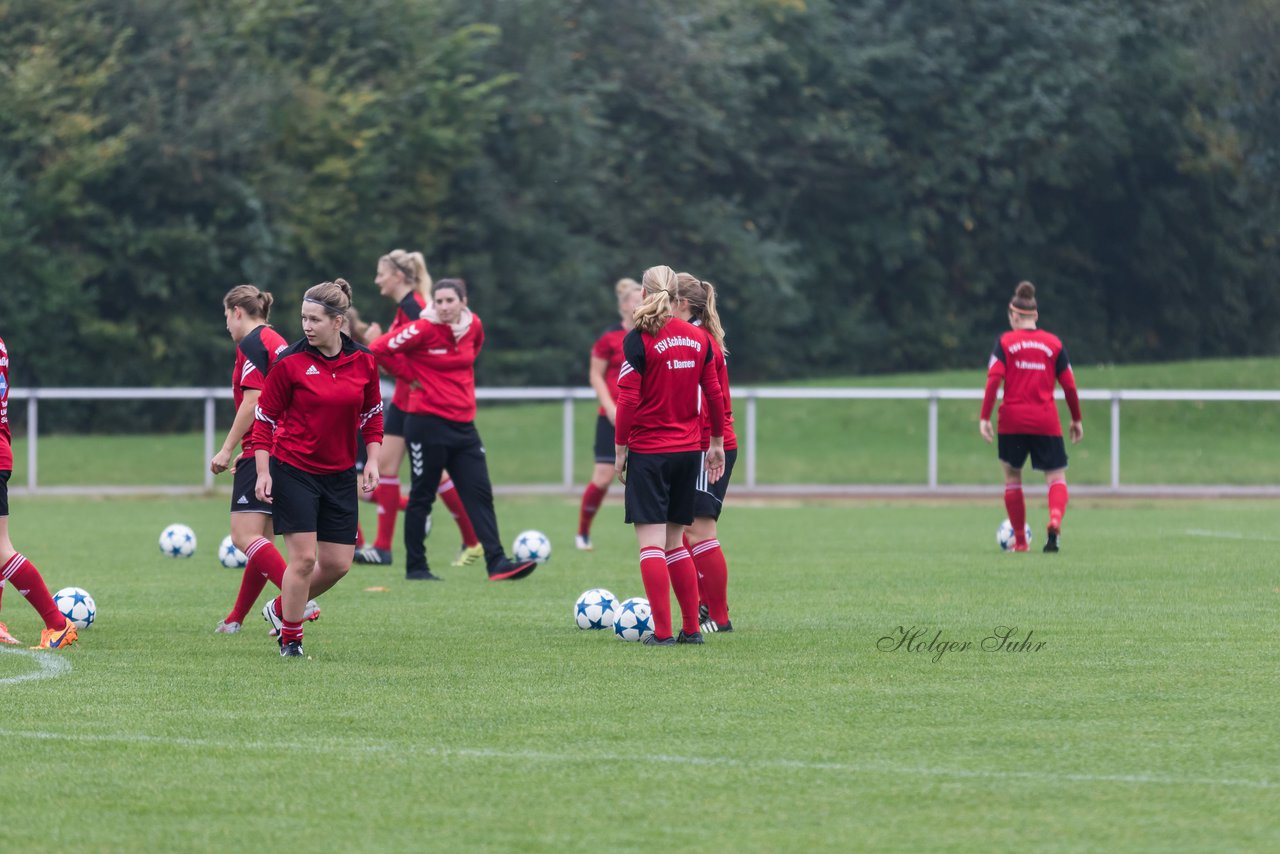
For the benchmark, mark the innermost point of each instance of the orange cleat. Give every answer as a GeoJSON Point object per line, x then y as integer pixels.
{"type": "Point", "coordinates": [57, 638]}
{"type": "Point", "coordinates": [5, 637]}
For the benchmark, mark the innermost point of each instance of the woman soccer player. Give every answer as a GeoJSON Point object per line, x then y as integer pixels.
{"type": "Point", "coordinates": [322, 391]}
{"type": "Point", "coordinates": [606, 359]}
{"type": "Point", "coordinates": [698, 305]}
{"type": "Point", "coordinates": [247, 310]}
{"type": "Point", "coordinates": [1028, 361]}
{"type": "Point", "coordinates": [15, 569]}
{"type": "Point", "coordinates": [438, 353]}
{"type": "Point", "coordinates": [668, 371]}
{"type": "Point", "coordinates": [403, 277]}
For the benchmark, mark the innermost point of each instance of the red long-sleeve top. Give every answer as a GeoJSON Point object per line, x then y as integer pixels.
{"type": "Point", "coordinates": [1028, 362]}
{"type": "Point", "coordinates": [661, 388]}
{"type": "Point", "coordinates": [6, 447]}
{"type": "Point", "coordinates": [440, 367]}
{"type": "Point", "coordinates": [407, 312]}
{"type": "Point", "coordinates": [255, 354]}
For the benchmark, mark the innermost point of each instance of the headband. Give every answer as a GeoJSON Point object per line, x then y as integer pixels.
{"type": "Point", "coordinates": [337, 312]}
{"type": "Point", "coordinates": [1021, 311]}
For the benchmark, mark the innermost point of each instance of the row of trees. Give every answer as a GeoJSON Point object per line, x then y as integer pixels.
{"type": "Point", "coordinates": [866, 181]}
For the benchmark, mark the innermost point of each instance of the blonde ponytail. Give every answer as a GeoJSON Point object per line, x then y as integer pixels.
{"type": "Point", "coordinates": [661, 291]}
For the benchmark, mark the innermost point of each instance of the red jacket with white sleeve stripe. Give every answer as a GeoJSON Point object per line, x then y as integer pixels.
{"type": "Point", "coordinates": [442, 367]}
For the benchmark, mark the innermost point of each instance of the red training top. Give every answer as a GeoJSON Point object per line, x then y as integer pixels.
{"type": "Point", "coordinates": [6, 448]}
{"type": "Point", "coordinates": [609, 347]}
{"type": "Point", "coordinates": [1029, 361]}
{"type": "Point", "coordinates": [406, 312]}
{"type": "Point", "coordinates": [722, 374]}
{"type": "Point", "coordinates": [312, 406]}
{"type": "Point", "coordinates": [441, 368]}
{"type": "Point", "coordinates": [255, 354]}
{"type": "Point", "coordinates": [660, 389]}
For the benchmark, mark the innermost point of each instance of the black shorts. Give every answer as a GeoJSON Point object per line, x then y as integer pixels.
{"type": "Point", "coordinates": [392, 420]}
{"type": "Point", "coordinates": [244, 498]}
{"type": "Point", "coordinates": [605, 448]}
{"type": "Point", "coordinates": [324, 503]}
{"type": "Point", "coordinates": [709, 498]}
{"type": "Point", "coordinates": [1047, 452]}
{"type": "Point", "coordinates": [4, 493]}
{"type": "Point", "coordinates": [661, 487]}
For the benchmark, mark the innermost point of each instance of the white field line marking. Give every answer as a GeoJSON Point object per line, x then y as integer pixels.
{"type": "Point", "coordinates": [712, 761]}
{"type": "Point", "coordinates": [50, 664]}
{"type": "Point", "coordinates": [1230, 535]}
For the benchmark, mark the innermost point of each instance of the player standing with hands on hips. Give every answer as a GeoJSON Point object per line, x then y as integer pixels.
{"type": "Point", "coordinates": [1029, 361]}
{"type": "Point", "coordinates": [321, 393]}
{"type": "Point", "coordinates": [668, 371]}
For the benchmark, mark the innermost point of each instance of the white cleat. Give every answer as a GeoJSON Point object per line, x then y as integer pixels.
{"type": "Point", "coordinates": [583, 543]}
{"type": "Point", "coordinates": [225, 628]}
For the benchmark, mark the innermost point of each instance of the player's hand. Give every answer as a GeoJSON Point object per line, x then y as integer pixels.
{"type": "Point", "coordinates": [221, 462]}
{"type": "Point", "coordinates": [620, 462]}
{"type": "Point", "coordinates": [370, 476]}
{"type": "Point", "coordinates": [263, 488]}
{"type": "Point", "coordinates": [984, 427]}
{"type": "Point", "coordinates": [715, 462]}
{"type": "Point", "coordinates": [1077, 432]}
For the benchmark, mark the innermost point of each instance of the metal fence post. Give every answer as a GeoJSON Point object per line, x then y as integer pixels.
{"type": "Point", "coordinates": [1115, 440]}
{"type": "Point", "coordinates": [33, 430]}
{"type": "Point", "coordinates": [933, 440]}
{"type": "Point", "coordinates": [208, 440]}
{"type": "Point", "coordinates": [751, 439]}
{"type": "Point", "coordinates": [567, 479]}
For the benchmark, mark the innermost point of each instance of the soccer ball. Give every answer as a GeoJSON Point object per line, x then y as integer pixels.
{"type": "Point", "coordinates": [595, 609]}
{"type": "Point", "coordinates": [76, 605]}
{"type": "Point", "coordinates": [230, 556]}
{"type": "Point", "coordinates": [178, 540]}
{"type": "Point", "coordinates": [1004, 535]}
{"type": "Point", "coordinates": [634, 621]}
{"type": "Point", "coordinates": [532, 545]}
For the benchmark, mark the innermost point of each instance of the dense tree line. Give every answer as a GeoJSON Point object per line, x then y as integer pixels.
{"type": "Point", "coordinates": [865, 180]}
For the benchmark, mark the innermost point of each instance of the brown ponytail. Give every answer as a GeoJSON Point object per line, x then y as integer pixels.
{"type": "Point", "coordinates": [334, 296]}
{"type": "Point", "coordinates": [1024, 299]}
{"type": "Point", "coordinates": [256, 303]}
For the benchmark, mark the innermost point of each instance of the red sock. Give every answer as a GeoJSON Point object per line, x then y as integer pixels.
{"type": "Point", "coordinates": [453, 501]}
{"type": "Point", "coordinates": [684, 580]}
{"type": "Point", "coordinates": [290, 632]}
{"type": "Point", "coordinates": [1016, 506]}
{"type": "Point", "coordinates": [1057, 503]}
{"type": "Point", "coordinates": [255, 577]}
{"type": "Point", "coordinates": [388, 497]}
{"type": "Point", "coordinates": [657, 588]}
{"type": "Point", "coordinates": [266, 559]}
{"type": "Point", "coordinates": [26, 578]}
{"type": "Point", "coordinates": [404, 503]}
{"type": "Point", "coordinates": [591, 498]}
{"type": "Point", "coordinates": [713, 579]}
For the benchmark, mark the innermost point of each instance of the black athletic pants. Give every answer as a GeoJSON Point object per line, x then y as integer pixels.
{"type": "Point", "coordinates": [436, 444]}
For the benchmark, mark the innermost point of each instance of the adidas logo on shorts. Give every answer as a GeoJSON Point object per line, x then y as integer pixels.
{"type": "Point", "coordinates": [244, 499]}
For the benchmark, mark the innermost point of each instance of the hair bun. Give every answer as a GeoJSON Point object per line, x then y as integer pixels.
{"type": "Point", "coordinates": [1025, 290]}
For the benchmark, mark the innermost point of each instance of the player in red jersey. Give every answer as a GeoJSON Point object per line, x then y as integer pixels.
{"type": "Point", "coordinates": [668, 372]}
{"type": "Point", "coordinates": [403, 277]}
{"type": "Point", "coordinates": [606, 359]}
{"type": "Point", "coordinates": [15, 569]}
{"type": "Point", "coordinates": [1029, 361]}
{"type": "Point", "coordinates": [321, 393]}
{"type": "Point", "coordinates": [437, 354]}
{"type": "Point", "coordinates": [698, 305]}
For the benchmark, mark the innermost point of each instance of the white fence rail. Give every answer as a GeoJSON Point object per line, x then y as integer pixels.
{"type": "Point", "coordinates": [746, 401]}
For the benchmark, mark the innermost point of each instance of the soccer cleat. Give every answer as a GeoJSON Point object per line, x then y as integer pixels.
{"type": "Point", "coordinates": [310, 613]}
{"type": "Point", "coordinates": [507, 569]}
{"type": "Point", "coordinates": [1051, 541]}
{"type": "Point", "coordinates": [654, 640]}
{"type": "Point", "coordinates": [422, 575]}
{"type": "Point", "coordinates": [711, 626]}
{"type": "Point", "coordinates": [292, 649]}
{"type": "Point", "coordinates": [225, 628]}
{"type": "Point", "coordinates": [704, 613]}
{"type": "Point", "coordinates": [583, 543]}
{"type": "Point", "coordinates": [468, 555]}
{"type": "Point", "coordinates": [1019, 547]}
{"type": "Point", "coordinates": [372, 556]}
{"type": "Point", "coordinates": [5, 637]}
{"type": "Point", "coordinates": [57, 638]}
{"type": "Point", "coordinates": [696, 637]}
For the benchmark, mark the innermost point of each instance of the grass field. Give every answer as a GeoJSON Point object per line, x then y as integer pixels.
{"type": "Point", "coordinates": [473, 716]}
{"type": "Point", "coordinates": [816, 442]}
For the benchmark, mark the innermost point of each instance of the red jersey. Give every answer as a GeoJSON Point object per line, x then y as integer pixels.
{"type": "Point", "coordinates": [661, 386]}
{"type": "Point", "coordinates": [312, 407]}
{"type": "Point", "coordinates": [609, 347]}
{"type": "Point", "coordinates": [255, 354]}
{"type": "Point", "coordinates": [1029, 361]}
{"type": "Point", "coordinates": [6, 446]}
{"type": "Point", "coordinates": [722, 374]}
{"type": "Point", "coordinates": [443, 368]}
{"type": "Point", "coordinates": [406, 312]}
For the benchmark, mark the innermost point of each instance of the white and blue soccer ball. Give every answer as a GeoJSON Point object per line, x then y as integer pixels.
{"type": "Point", "coordinates": [532, 545]}
{"type": "Point", "coordinates": [76, 605]}
{"type": "Point", "coordinates": [230, 556]}
{"type": "Point", "coordinates": [634, 621]}
{"type": "Point", "coordinates": [595, 609]}
{"type": "Point", "coordinates": [178, 540]}
{"type": "Point", "coordinates": [1005, 538]}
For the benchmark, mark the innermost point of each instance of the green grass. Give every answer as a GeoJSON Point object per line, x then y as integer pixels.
{"type": "Point", "coordinates": [824, 442]}
{"type": "Point", "coordinates": [474, 716]}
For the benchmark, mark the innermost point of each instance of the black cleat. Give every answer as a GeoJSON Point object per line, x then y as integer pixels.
{"type": "Point", "coordinates": [372, 556]}
{"type": "Point", "coordinates": [712, 627]}
{"type": "Point", "coordinates": [422, 575]}
{"type": "Point", "coordinates": [1051, 541]}
{"type": "Point", "coordinates": [291, 649]}
{"type": "Point", "coordinates": [703, 612]}
{"type": "Point", "coordinates": [510, 570]}
{"type": "Point", "coordinates": [696, 637]}
{"type": "Point", "coordinates": [654, 640]}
